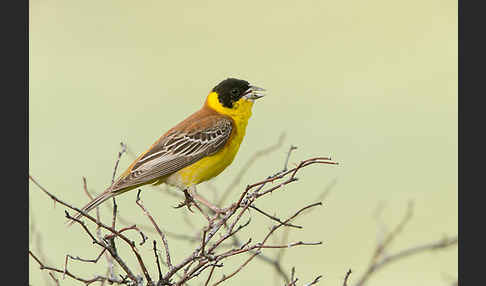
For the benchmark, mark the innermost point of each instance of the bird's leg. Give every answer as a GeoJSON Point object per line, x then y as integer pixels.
{"type": "Point", "coordinates": [205, 202]}
{"type": "Point", "coordinates": [187, 202]}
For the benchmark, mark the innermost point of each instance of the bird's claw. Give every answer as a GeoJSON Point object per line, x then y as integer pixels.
{"type": "Point", "coordinates": [187, 202]}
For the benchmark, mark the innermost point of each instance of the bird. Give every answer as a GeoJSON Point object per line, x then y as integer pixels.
{"type": "Point", "coordinates": [195, 150]}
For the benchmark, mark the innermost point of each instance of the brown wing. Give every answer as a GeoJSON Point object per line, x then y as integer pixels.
{"type": "Point", "coordinates": [178, 149]}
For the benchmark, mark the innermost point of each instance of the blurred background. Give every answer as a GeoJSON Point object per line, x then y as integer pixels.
{"type": "Point", "coordinates": [371, 83]}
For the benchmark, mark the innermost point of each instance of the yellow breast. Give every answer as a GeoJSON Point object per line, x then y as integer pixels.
{"type": "Point", "coordinates": [213, 165]}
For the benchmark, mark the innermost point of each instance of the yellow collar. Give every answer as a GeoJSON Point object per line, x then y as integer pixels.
{"type": "Point", "coordinates": [241, 110]}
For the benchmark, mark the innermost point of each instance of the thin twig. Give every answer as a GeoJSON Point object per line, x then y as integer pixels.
{"type": "Point", "coordinates": [443, 243]}
{"type": "Point", "coordinates": [315, 281]}
{"type": "Point", "coordinates": [207, 255]}
{"type": "Point", "coordinates": [286, 165]}
{"type": "Point", "coordinates": [100, 224]}
{"type": "Point", "coordinates": [210, 275]}
{"type": "Point", "coordinates": [346, 277]}
{"type": "Point", "coordinates": [379, 259]}
{"type": "Point", "coordinates": [123, 150]}
{"type": "Point", "coordinates": [108, 257]}
{"type": "Point", "coordinates": [261, 245]}
{"type": "Point", "coordinates": [248, 165]}
{"type": "Point", "coordinates": [157, 260]}
{"type": "Point", "coordinates": [85, 281]}
{"type": "Point", "coordinates": [85, 188]}
{"type": "Point", "coordinates": [273, 217]}
{"type": "Point", "coordinates": [115, 206]}
{"type": "Point", "coordinates": [111, 248]}
{"type": "Point", "coordinates": [162, 235]}
{"type": "Point", "coordinates": [81, 259]}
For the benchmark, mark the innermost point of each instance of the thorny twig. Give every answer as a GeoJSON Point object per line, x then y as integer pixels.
{"type": "Point", "coordinates": [109, 259]}
{"type": "Point", "coordinates": [242, 205]}
{"type": "Point", "coordinates": [261, 245]}
{"type": "Point", "coordinates": [68, 273]}
{"type": "Point", "coordinates": [208, 255]}
{"type": "Point", "coordinates": [80, 259]}
{"type": "Point", "coordinates": [162, 235]}
{"type": "Point", "coordinates": [273, 217]}
{"type": "Point", "coordinates": [100, 224]}
{"type": "Point", "coordinates": [275, 262]}
{"type": "Point", "coordinates": [212, 250]}
{"type": "Point", "coordinates": [257, 155]}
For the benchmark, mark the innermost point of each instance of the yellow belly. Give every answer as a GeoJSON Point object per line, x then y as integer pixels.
{"type": "Point", "coordinates": [213, 165]}
{"type": "Point", "coordinates": [210, 166]}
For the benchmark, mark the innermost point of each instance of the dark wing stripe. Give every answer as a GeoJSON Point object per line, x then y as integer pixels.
{"type": "Point", "coordinates": [176, 151]}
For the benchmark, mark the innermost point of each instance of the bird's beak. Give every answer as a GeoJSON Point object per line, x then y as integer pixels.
{"type": "Point", "coordinates": [254, 92]}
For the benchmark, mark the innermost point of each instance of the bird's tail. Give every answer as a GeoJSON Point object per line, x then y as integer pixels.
{"type": "Point", "coordinates": [94, 203]}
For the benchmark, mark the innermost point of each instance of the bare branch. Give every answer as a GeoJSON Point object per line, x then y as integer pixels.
{"type": "Point", "coordinates": [66, 272]}
{"type": "Point", "coordinates": [162, 235]}
{"type": "Point", "coordinates": [111, 248]}
{"type": "Point", "coordinates": [123, 150]}
{"type": "Point", "coordinates": [248, 164]}
{"type": "Point", "coordinates": [315, 281]}
{"type": "Point", "coordinates": [157, 260]}
{"type": "Point", "coordinates": [261, 245]}
{"type": "Point", "coordinates": [293, 279]}
{"type": "Point", "coordinates": [80, 259]}
{"type": "Point", "coordinates": [380, 259]}
{"type": "Point", "coordinates": [286, 165]}
{"type": "Point", "coordinates": [211, 249]}
{"type": "Point", "coordinates": [100, 224]}
{"type": "Point", "coordinates": [273, 217]}
{"type": "Point", "coordinates": [218, 241]}
{"type": "Point", "coordinates": [443, 243]}
{"type": "Point", "coordinates": [115, 206]}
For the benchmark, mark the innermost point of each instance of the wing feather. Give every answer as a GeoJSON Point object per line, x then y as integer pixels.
{"type": "Point", "coordinates": [178, 149]}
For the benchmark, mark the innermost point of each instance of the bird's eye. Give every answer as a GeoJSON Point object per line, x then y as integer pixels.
{"type": "Point", "coordinates": [234, 91]}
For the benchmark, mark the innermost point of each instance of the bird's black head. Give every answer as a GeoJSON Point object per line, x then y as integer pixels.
{"type": "Point", "coordinates": [230, 91]}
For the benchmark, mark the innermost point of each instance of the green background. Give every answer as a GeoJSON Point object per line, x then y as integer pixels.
{"type": "Point", "coordinates": [372, 83]}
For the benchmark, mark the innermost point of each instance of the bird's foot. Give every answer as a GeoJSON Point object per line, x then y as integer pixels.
{"type": "Point", "coordinates": [187, 202]}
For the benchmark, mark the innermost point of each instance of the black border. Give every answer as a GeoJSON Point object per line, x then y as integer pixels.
{"type": "Point", "coordinates": [14, 20]}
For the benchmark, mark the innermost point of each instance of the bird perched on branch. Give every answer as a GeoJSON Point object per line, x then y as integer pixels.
{"type": "Point", "coordinates": [195, 150]}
